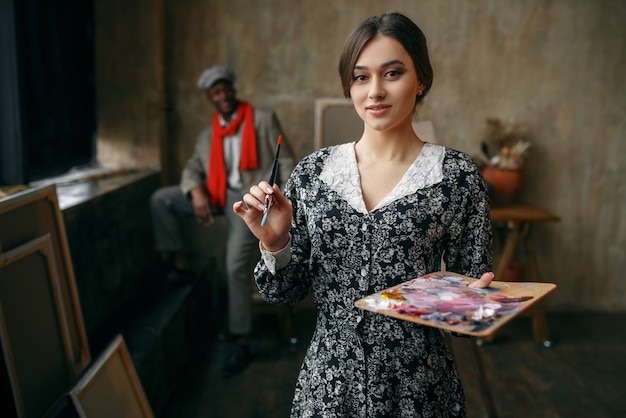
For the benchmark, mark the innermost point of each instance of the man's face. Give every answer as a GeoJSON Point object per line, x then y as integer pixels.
{"type": "Point", "coordinates": [223, 96]}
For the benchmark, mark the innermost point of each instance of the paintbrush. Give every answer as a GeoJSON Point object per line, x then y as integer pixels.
{"type": "Point", "coordinates": [268, 198]}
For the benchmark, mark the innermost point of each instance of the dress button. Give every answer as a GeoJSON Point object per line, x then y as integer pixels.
{"type": "Point", "coordinates": [363, 272]}
{"type": "Point", "coordinates": [364, 227]}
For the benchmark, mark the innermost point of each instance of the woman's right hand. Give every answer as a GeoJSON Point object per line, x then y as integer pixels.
{"type": "Point", "coordinates": [274, 235]}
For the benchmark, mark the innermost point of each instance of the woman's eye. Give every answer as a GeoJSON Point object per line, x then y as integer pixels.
{"type": "Point", "coordinates": [359, 77]}
{"type": "Point", "coordinates": [393, 73]}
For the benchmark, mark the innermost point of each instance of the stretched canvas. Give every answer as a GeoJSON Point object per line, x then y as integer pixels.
{"type": "Point", "coordinates": [336, 122]}
{"type": "Point", "coordinates": [111, 387]}
{"type": "Point", "coordinates": [35, 340]}
{"type": "Point", "coordinates": [28, 215]}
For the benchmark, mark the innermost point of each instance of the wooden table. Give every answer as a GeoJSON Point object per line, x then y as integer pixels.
{"type": "Point", "coordinates": [518, 219]}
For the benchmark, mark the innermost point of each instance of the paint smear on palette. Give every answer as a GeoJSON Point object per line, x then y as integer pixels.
{"type": "Point", "coordinates": [446, 299]}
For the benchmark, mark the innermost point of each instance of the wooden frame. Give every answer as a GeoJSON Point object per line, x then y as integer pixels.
{"type": "Point", "coordinates": [30, 214]}
{"type": "Point", "coordinates": [337, 122]}
{"type": "Point", "coordinates": [111, 387]}
{"type": "Point", "coordinates": [33, 329]}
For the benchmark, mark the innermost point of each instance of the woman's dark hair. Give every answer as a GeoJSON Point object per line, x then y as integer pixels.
{"type": "Point", "coordinates": [394, 25]}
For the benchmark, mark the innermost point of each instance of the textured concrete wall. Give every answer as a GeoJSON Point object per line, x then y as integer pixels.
{"type": "Point", "coordinates": [556, 65]}
{"type": "Point", "coordinates": [127, 99]}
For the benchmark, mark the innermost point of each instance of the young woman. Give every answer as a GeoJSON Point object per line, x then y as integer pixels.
{"type": "Point", "coordinates": [363, 216]}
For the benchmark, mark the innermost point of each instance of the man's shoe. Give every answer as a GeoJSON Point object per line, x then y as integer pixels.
{"type": "Point", "coordinates": [237, 360]}
{"type": "Point", "coordinates": [179, 277]}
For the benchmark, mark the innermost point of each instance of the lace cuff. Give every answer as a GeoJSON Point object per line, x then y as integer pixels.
{"type": "Point", "coordinates": [276, 260]}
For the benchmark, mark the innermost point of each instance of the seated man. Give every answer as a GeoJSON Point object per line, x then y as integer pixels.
{"type": "Point", "coordinates": [233, 153]}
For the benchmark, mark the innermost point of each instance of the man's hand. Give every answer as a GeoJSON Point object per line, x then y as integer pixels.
{"type": "Point", "coordinates": [201, 206]}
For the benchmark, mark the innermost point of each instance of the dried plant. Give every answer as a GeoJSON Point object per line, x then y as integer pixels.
{"type": "Point", "coordinates": [505, 144]}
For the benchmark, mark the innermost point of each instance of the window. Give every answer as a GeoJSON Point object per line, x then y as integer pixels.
{"type": "Point", "coordinates": [47, 119]}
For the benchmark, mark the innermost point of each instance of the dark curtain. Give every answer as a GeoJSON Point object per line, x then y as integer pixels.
{"type": "Point", "coordinates": [54, 81]}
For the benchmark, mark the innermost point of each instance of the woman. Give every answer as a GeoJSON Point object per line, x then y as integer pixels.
{"type": "Point", "coordinates": [360, 217]}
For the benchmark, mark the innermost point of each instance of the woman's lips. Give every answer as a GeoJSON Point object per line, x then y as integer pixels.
{"type": "Point", "coordinates": [378, 109]}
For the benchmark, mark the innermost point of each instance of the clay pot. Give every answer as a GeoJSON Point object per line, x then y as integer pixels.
{"type": "Point", "coordinates": [505, 183]}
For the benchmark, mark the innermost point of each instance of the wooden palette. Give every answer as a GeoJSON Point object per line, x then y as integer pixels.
{"type": "Point", "coordinates": [443, 300]}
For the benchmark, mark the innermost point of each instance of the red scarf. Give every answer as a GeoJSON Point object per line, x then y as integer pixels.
{"type": "Point", "coordinates": [217, 180]}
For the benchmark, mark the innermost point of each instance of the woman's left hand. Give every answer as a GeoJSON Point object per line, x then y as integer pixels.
{"type": "Point", "coordinates": [484, 281]}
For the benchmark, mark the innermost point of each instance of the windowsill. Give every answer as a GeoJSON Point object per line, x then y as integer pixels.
{"type": "Point", "coordinates": [79, 186]}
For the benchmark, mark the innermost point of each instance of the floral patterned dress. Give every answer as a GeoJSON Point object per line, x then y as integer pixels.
{"type": "Point", "coordinates": [361, 364]}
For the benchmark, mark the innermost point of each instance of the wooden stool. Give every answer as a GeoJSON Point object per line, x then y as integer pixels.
{"type": "Point", "coordinates": [518, 219]}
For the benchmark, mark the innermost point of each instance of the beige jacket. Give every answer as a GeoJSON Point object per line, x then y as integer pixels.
{"type": "Point", "coordinates": [267, 130]}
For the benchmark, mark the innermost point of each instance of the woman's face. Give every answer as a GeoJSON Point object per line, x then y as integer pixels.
{"type": "Point", "coordinates": [385, 85]}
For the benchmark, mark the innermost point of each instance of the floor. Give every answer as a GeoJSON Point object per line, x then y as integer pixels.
{"type": "Point", "coordinates": [582, 374]}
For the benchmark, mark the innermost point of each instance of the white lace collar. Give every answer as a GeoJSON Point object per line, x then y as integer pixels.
{"type": "Point", "coordinates": [342, 174]}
